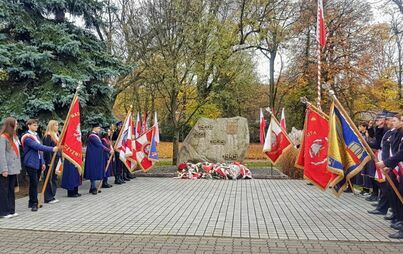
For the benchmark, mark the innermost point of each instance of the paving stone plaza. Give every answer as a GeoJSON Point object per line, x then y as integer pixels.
{"type": "Point", "coordinates": [165, 215]}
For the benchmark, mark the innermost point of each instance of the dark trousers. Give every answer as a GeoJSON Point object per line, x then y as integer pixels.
{"type": "Point", "coordinates": [118, 166]}
{"type": "Point", "coordinates": [383, 204]}
{"type": "Point", "coordinates": [375, 187]}
{"type": "Point", "coordinates": [397, 206]}
{"type": "Point", "coordinates": [51, 188]}
{"type": "Point", "coordinates": [72, 192]}
{"type": "Point", "coordinates": [392, 197]}
{"type": "Point", "coordinates": [34, 175]}
{"type": "Point", "coordinates": [7, 195]}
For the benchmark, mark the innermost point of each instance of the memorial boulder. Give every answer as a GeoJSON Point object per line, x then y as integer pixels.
{"type": "Point", "coordinates": [216, 140]}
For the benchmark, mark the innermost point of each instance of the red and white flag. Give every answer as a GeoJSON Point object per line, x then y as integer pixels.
{"type": "Point", "coordinates": [71, 139]}
{"type": "Point", "coordinates": [138, 126]}
{"type": "Point", "coordinates": [156, 129]}
{"type": "Point", "coordinates": [282, 120]}
{"type": "Point", "coordinates": [262, 127]}
{"type": "Point", "coordinates": [276, 141]}
{"type": "Point", "coordinates": [143, 146]}
{"type": "Point", "coordinates": [320, 25]}
{"type": "Point", "coordinates": [144, 123]}
{"type": "Point", "coordinates": [124, 143]}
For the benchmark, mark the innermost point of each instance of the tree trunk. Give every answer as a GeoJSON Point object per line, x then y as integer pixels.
{"type": "Point", "coordinates": [272, 82]}
{"type": "Point", "coordinates": [400, 66]}
{"type": "Point", "coordinates": [175, 153]}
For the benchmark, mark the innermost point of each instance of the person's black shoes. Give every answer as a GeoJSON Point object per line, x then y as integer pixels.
{"type": "Point", "coordinates": [34, 208]}
{"type": "Point", "coordinates": [377, 212]}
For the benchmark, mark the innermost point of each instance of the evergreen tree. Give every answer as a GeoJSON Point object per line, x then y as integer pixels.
{"type": "Point", "coordinates": [44, 55]}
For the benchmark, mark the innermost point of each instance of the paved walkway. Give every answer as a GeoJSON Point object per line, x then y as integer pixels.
{"type": "Point", "coordinates": [283, 212]}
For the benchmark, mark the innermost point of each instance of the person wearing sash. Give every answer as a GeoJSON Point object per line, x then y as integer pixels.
{"type": "Point", "coordinates": [107, 143]}
{"type": "Point", "coordinates": [94, 158]}
{"type": "Point", "coordinates": [10, 167]}
{"type": "Point", "coordinates": [33, 160]}
{"type": "Point", "coordinates": [51, 138]}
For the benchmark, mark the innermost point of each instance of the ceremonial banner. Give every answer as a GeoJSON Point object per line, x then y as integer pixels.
{"type": "Point", "coordinates": [276, 141]}
{"type": "Point", "coordinates": [145, 150]}
{"type": "Point", "coordinates": [312, 157]}
{"type": "Point", "coordinates": [156, 129]}
{"type": "Point", "coordinates": [71, 140]}
{"type": "Point", "coordinates": [124, 143]}
{"type": "Point", "coordinates": [262, 127]}
{"type": "Point", "coordinates": [346, 154]}
{"type": "Point", "coordinates": [138, 126]}
{"type": "Point", "coordinates": [282, 120]}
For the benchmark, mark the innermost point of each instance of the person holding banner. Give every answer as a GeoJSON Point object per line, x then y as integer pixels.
{"type": "Point", "coordinates": [33, 160]}
{"type": "Point", "coordinates": [118, 163]}
{"type": "Point", "coordinates": [51, 139]}
{"type": "Point", "coordinates": [10, 167]}
{"type": "Point", "coordinates": [394, 168]}
{"type": "Point", "coordinates": [94, 162]}
{"type": "Point", "coordinates": [107, 143]}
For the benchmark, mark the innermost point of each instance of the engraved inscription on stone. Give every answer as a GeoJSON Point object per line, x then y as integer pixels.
{"type": "Point", "coordinates": [216, 140]}
{"type": "Point", "coordinates": [232, 128]}
{"type": "Point", "coordinates": [230, 157]}
{"type": "Point", "coordinates": [199, 134]}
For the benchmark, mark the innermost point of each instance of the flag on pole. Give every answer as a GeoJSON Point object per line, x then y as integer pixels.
{"type": "Point", "coordinates": [320, 25]}
{"type": "Point", "coordinates": [312, 157]}
{"type": "Point", "coordinates": [346, 154]}
{"type": "Point", "coordinates": [282, 120]}
{"type": "Point", "coordinates": [144, 147]}
{"type": "Point", "coordinates": [276, 141]}
{"type": "Point", "coordinates": [71, 138]}
{"type": "Point", "coordinates": [144, 124]}
{"type": "Point", "coordinates": [262, 128]}
{"type": "Point", "coordinates": [124, 143]}
{"type": "Point", "coordinates": [138, 126]}
{"type": "Point", "coordinates": [156, 129]}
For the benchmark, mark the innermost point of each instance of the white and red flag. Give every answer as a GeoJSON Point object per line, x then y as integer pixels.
{"type": "Point", "coordinates": [146, 153]}
{"type": "Point", "coordinates": [320, 25]}
{"type": "Point", "coordinates": [282, 120]}
{"type": "Point", "coordinates": [138, 126]}
{"type": "Point", "coordinates": [262, 127]}
{"type": "Point", "coordinates": [276, 141]}
{"type": "Point", "coordinates": [124, 143]}
{"type": "Point", "coordinates": [156, 129]}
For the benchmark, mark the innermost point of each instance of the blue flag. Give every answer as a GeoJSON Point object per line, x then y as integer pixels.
{"type": "Point", "coordinates": [153, 154]}
{"type": "Point", "coordinates": [346, 154]}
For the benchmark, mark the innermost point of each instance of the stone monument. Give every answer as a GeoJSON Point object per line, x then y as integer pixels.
{"type": "Point", "coordinates": [216, 140]}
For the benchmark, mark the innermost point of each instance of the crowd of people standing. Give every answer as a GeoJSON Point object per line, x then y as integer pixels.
{"type": "Point", "coordinates": [33, 152]}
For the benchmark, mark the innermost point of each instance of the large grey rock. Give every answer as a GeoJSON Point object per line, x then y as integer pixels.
{"type": "Point", "coordinates": [216, 140]}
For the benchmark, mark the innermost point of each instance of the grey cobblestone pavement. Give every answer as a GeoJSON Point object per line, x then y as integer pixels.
{"type": "Point", "coordinates": [23, 241]}
{"type": "Point", "coordinates": [277, 215]}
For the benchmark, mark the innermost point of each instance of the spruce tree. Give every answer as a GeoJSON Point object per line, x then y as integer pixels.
{"type": "Point", "coordinates": [44, 55]}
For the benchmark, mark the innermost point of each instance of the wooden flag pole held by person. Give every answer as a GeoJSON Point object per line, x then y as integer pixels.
{"type": "Point", "coordinates": [50, 170]}
{"type": "Point", "coordinates": [114, 146]}
{"type": "Point", "coordinates": [371, 153]}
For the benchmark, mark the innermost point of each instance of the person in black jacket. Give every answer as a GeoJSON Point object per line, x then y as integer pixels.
{"type": "Point", "coordinates": [375, 144]}
{"type": "Point", "coordinates": [51, 138]}
{"type": "Point", "coordinates": [393, 166]}
{"type": "Point", "coordinates": [384, 204]}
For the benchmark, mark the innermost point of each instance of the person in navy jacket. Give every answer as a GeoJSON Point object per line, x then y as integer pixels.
{"type": "Point", "coordinates": [33, 160]}
{"type": "Point", "coordinates": [107, 142]}
{"type": "Point", "coordinates": [94, 158]}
